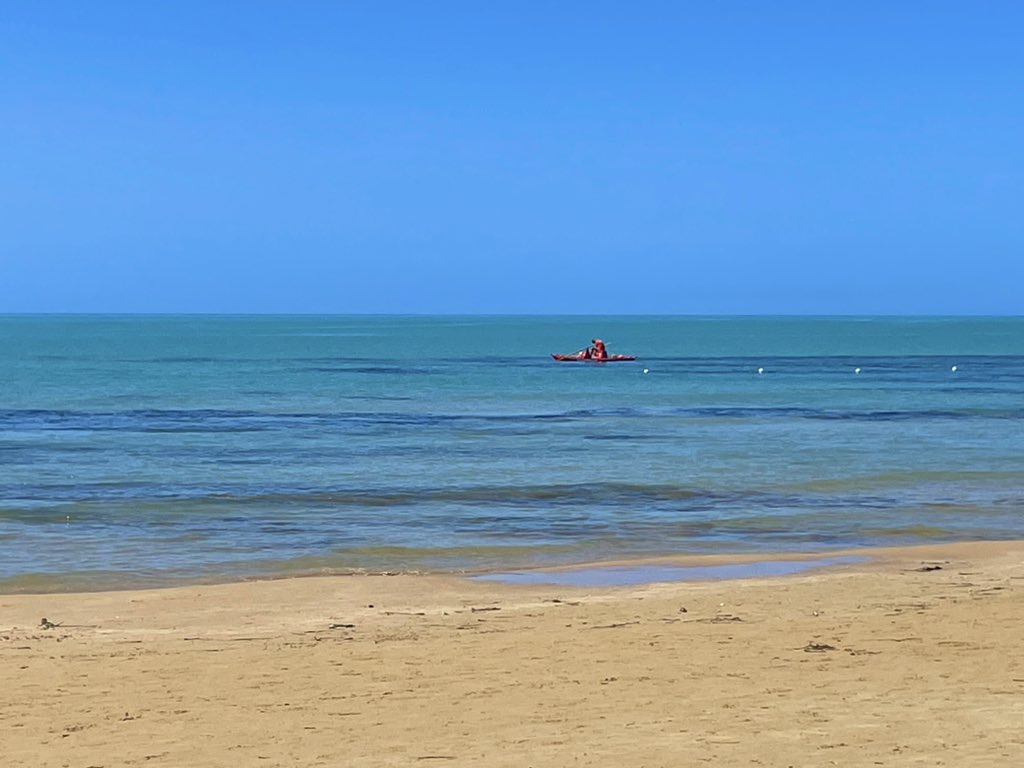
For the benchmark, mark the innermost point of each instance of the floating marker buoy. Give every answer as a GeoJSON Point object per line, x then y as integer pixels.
{"type": "Point", "coordinates": [856, 370]}
{"type": "Point", "coordinates": [953, 369]}
{"type": "Point", "coordinates": [760, 370]}
{"type": "Point", "coordinates": [646, 371]}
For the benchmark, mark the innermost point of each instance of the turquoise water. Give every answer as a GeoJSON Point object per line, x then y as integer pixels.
{"type": "Point", "coordinates": [151, 450]}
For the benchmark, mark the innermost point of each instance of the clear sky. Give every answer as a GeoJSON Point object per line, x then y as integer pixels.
{"type": "Point", "coordinates": [512, 157]}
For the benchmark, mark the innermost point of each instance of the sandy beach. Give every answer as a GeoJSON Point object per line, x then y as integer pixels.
{"type": "Point", "coordinates": [910, 657]}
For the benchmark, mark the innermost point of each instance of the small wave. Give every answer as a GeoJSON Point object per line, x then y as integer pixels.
{"type": "Point", "coordinates": [831, 414]}
{"type": "Point", "coordinates": [899, 481]}
{"type": "Point", "coordinates": [49, 503]}
{"type": "Point", "coordinates": [228, 421]}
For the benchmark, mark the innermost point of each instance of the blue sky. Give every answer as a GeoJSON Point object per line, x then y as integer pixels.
{"type": "Point", "coordinates": [512, 157]}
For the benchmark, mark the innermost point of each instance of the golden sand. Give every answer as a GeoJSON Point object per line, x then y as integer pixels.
{"type": "Point", "coordinates": [913, 657]}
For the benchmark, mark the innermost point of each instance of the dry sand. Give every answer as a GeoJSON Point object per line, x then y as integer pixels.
{"type": "Point", "coordinates": [889, 662]}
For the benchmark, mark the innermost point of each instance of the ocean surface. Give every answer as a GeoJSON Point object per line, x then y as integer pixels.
{"type": "Point", "coordinates": [141, 450]}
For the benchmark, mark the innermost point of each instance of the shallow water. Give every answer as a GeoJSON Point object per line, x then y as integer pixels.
{"type": "Point", "coordinates": [619, 576]}
{"type": "Point", "coordinates": [138, 450]}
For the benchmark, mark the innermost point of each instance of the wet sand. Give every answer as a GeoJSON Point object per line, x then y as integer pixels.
{"type": "Point", "coordinates": [910, 657]}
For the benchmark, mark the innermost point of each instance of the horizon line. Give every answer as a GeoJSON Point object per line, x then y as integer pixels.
{"type": "Point", "coordinates": [808, 315]}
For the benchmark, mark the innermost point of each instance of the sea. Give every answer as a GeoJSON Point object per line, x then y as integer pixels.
{"type": "Point", "coordinates": [157, 449]}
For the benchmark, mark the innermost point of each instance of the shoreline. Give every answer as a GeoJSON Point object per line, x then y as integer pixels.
{"type": "Point", "coordinates": [913, 656]}
{"type": "Point", "coordinates": [78, 583]}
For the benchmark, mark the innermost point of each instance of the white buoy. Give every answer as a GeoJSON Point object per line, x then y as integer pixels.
{"type": "Point", "coordinates": [856, 370]}
{"type": "Point", "coordinates": [646, 370]}
{"type": "Point", "coordinates": [760, 370]}
{"type": "Point", "coordinates": [953, 369]}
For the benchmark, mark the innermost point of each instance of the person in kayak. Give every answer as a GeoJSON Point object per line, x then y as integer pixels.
{"type": "Point", "coordinates": [597, 352]}
{"type": "Point", "coordinates": [587, 353]}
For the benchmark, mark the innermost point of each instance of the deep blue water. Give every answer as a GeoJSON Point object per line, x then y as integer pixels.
{"type": "Point", "coordinates": [137, 450]}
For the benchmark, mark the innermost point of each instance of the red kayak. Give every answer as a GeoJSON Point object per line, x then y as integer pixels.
{"type": "Point", "coordinates": [578, 359]}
